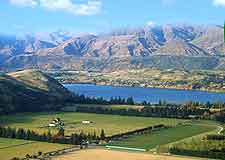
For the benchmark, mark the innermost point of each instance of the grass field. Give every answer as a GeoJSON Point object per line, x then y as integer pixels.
{"type": "Point", "coordinates": [10, 148]}
{"type": "Point", "coordinates": [162, 137]}
{"type": "Point", "coordinates": [100, 154]}
{"type": "Point", "coordinates": [113, 107]}
{"type": "Point", "coordinates": [112, 124]}
{"type": "Point", "coordinates": [223, 132]}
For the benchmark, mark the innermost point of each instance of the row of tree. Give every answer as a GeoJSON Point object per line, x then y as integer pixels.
{"type": "Point", "coordinates": [161, 109]}
{"type": "Point", "coordinates": [76, 139]}
{"type": "Point", "coordinates": [214, 137]}
{"type": "Point", "coordinates": [82, 99]}
{"type": "Point", "coordinates": [136, 132]}
{"type": "Point", "coordinates": [147, 111]}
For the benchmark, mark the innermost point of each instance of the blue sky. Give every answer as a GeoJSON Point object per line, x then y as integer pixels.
{"type": "Point", "coordinates": [93, 16]}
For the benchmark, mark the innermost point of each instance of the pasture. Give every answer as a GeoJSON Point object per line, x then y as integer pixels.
{"type": "Point", "coordinates": [163, 136]}
{"type": "Point", "coordinates": [10, 148]}
{"type": "Point", "coordinates": [112, 124]}
{"type": "Point", "coordinates": [113, 107]}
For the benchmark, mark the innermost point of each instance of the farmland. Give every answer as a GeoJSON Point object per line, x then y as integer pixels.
{"type": "Point", "coordinates": [112, 124]}
{"type": "Point", "coordinates": [101, 154]}
{"type": "Point", "coordinates": [178, 130]}
{"type": "Point", "coordinates": [164, 136]}
{"type": "Point", "coordinates": [10, 148]}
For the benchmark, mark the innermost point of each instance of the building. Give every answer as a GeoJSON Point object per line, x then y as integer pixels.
{"type": "Point", "coordinates": [87, 122]}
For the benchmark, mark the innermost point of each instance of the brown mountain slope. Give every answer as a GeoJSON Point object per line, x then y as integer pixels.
{"type": "Point", "coordinates": [81, 51]}
{"type": "Point", "coordinates": [166, 40]}
{"type": "Point", "coordinates": [211, 40]}
{"type": "Point", "coordinates": [180, 48]}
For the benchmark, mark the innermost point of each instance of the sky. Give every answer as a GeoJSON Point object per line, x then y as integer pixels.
{"type": "Point", "coordinates": [97, 16]}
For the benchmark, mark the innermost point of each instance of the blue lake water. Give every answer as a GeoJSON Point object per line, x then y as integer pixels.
{"type": "Point", "coordinates": [148, 94]}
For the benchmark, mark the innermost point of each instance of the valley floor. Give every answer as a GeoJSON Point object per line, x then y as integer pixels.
{"type": "Point", "coordinates": [178, 131]}
{"type": "Point", "coordinates": [205, 80]}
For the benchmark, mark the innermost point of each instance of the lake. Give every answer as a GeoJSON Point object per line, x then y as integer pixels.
{"type": "Point", "coordinates": [146, 94]}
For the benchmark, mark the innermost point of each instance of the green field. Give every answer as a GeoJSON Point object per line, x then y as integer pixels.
{"type": "Point", "coordinates": [223, 132]}
{"type": "Point", "coordinates": [10, 148]}
{"type": "Point", "coordinates": [112, 124]}
{"type": "Point", "coordinates": [164, 136]}
{"type": "Point", "coordinates": [113, 107]}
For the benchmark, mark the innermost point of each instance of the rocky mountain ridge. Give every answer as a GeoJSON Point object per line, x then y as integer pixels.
{"type": "Point", "coordinates": [71, 51]}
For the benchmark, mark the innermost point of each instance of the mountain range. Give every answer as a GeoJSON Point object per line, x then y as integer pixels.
{"type": "Point", "coordinates": [147, 46]}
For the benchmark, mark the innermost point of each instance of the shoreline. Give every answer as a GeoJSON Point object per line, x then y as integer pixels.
{"type": "Point", "coordinates": [152, 87]}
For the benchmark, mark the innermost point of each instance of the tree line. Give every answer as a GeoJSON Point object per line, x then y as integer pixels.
{"type": "Point", "coordinates": [136, 132]}
{"type": "Point", "coordinates": [82, 99]}
{"type": "Point", "coordinates": [147, 111]}
{"type": "Point", "coordinates": [75, 138]}
{"type": "Point", "coordinates": [160, 109]}
{"type": "Point", "coordinates": [215, 137]}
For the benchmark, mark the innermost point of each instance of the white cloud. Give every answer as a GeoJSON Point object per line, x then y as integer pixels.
{"type": "Point", "coordinates": [219, 3]}
{"type": "Point", "coordinates": [91, 7]}
{"type": "Point", "coordinates": [56, 4]}
{"type": "Point", "coordinates": [150, 23]}
{"type": "Point", "coordinates": [24, 3]}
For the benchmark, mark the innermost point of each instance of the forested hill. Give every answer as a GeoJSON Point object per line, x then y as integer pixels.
{"type": "Point", "coordinates": [30, 90]}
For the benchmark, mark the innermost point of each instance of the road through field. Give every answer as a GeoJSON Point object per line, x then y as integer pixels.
{"type": "Point", "coordinates": [217, 130]}
{"type": "Point", "coordinates": [221, 130]}
{"type": "Point", "coordinates": [103, 154]}
{"type": "Point", "coordinates": [17, 145]}
{"type": "Point", "coordinates": [163, 137]}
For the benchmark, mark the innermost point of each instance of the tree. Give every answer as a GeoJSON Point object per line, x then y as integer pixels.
{"type": "Point", "coordinates": [208, 105]}
{"type": "Point", "coordinates": [39, 153]}
{"type": "Point", "coordinates": [160, 102]}
{"type": "Point", "coordinates": [102, 135]}
{"type": "Point", "coordinates": [60, 132]}
{"type": "Point", "coordinates": [130, 101]}
{"type": "Point", "coordinates": [28, 135]}
{"type": "Point", "coordinates": [94, 136]}
{"type": "Point", "coordinates": [21, 134]}
{"type": "Point", "coordinates": [49, 136]}
{"type": "Point", "coordinates": [28, 156]}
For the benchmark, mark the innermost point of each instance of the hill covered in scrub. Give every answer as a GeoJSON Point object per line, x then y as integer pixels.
{"type": "Point", "coordinates": [30, 90]}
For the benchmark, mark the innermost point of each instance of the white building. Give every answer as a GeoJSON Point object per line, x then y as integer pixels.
{"type": "Point", "coordinates": [87, 122]}
{"type": "Point", "coordinates": [51, 125]}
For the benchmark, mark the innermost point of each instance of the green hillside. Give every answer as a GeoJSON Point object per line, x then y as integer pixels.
{"type": "Point", "coordinates": [30, 90]}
